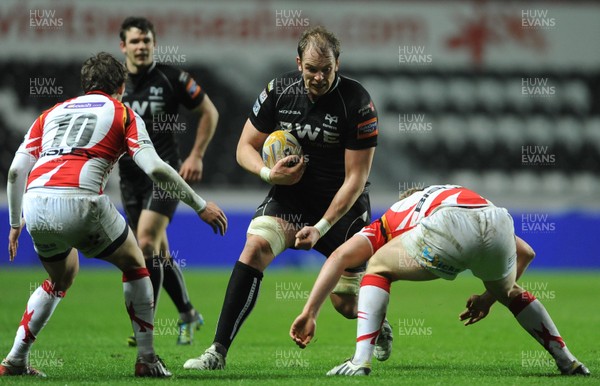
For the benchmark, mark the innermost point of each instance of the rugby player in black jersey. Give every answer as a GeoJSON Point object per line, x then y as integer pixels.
{"type": "Point", "coordinates": [317, 202]}
{"type": "Point", "coordinates": [155, 91]}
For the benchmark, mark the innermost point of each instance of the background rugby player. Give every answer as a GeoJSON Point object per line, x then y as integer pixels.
{"type": "Point", "coordinates": [155, 91]}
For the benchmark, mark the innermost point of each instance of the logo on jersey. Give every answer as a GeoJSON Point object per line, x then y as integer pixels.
{"type": "Point", "coordinates": [140, 108]}
{"type": "Point", "coordinates": [291, 112]}
{"type": "Point", "coordinates": [256, 107]}
{"type": "Point", "coordinates": [367, 129]}
{"type": "Point", "coordinates": [156, 92]}
{"type": "Point", "coordinates": [193, 88]}
{"type": "Point", "coordinates": [263, 95]}
{"type": "Point", "coordinates": [367, 109]}
{"type": "Point", "coordinates": [307, 131]}
{"type": "Point", "coordinates": [331, 118]}
{"type": "Point", "coordinates": [88, 105]}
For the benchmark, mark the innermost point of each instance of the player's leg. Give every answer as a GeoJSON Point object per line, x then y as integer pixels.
{"type": "Point", "coordinates": [135, 194]}
{"type": "Point", "coordinates": [498, 271]}
{"type": "Point", "coordinates": [390, 263]}
{"type": "Point", "coordinates": [139, 303]}
{"type": "Point", "coordinates": [173, 282]}
{"type": "Point", "coordinates": [267, 237]}
{"type": "Point", "coordinates": [151, 230]}
{"type": "Point", "coordinates": [344, 296]}
{"type": "Point", "coordinates": [533, 317]}
{"type": "Point", "coordinates": [62, 269]}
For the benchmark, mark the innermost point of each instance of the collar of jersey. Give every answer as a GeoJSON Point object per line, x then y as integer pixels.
{"type": "Point", "coordinates": [336, 82]}
{"type": "Point", "coordinates": [149, 70]}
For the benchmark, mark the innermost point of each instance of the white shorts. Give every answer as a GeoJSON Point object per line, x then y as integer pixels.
{"type": "Point", "coordinates": [453, 239]}
{"type": "Point", "coordinates": [59, 220]}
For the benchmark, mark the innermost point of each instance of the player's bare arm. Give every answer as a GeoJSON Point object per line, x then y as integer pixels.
{"type": "Point", "coordinates": [357, 168]}
{"type": "Point", "coordinates": [191, 169]}
{"type": "Point", "coordinates": [352, 253]}
{"type": "Point", "coordinates": [248, 155]}
{"type": "Point", "coordinates": [478, 306]}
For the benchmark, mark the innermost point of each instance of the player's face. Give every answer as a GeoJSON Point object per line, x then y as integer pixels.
{"type": "Point", "coordinates": [138, 48]}
{"type": "Point", "coordinates": [318, 70]}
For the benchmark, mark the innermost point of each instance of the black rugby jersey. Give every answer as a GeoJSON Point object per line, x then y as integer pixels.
{"type": "Point", "coordinates": [155, 95]}
{"type": "Point", "coordinates": [344, 118]}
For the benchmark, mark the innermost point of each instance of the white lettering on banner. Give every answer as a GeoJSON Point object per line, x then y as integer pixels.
{"type": "Point", "coordinates": [461, 34]}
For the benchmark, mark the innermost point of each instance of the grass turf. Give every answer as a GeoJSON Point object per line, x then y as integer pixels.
{"type": "Point", "coordinates": [84, 342]}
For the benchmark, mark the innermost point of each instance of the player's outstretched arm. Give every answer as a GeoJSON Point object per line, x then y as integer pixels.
{"type": "Point", "coordinates": [17, 180]}
{"type": "Point", "coordinates": [163, 174]}
{"type": "Point", "coordinates": [352, 253]}
{"type": "Point", "coordinates": [248, 155]}
{"type": "Point", "coordinates": [478, 306]}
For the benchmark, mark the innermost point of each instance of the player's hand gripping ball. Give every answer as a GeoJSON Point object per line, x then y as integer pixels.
{"type": "Point", "coordinates": [280, 144]}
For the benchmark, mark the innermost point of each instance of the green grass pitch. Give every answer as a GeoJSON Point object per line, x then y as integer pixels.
{"type": "Point", "coordinates": [84, 342]}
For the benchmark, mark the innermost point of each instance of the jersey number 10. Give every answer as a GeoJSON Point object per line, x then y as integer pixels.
{"type": "Point", "coordinates": [79, 127]}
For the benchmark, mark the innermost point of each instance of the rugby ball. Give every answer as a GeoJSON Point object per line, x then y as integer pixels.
{"type": "Point", "coordinates": [280, 144]}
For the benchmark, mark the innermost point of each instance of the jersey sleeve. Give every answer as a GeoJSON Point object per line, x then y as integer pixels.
{"type": "Point", "coordinates": [363, 121]}
{"type": "Point", "coordinates": [263, 111]}
{"type": "Point", "coordinates": [136, 136]}
{"type": "Point", "coordinates": [32, 144]}
{"type": "Point", "coordinates": [188, 91]}
{"type": "Point", "coordinates": [375, 233]}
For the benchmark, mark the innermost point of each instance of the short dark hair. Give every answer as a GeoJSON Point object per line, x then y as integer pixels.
{"type": "Point", "coordinates": [321, 39]}
{"type": "Point", "coordinates": [102, 72]}
{"type": "Point", "coordinates": [140, 23]}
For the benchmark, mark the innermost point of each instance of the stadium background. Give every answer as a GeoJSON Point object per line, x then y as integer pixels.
{"type": "Point", "coordinates": [502, 97]}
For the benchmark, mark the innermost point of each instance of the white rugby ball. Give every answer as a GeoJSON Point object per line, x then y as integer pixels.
{"type": "Point", "coordinates": [280, 144]}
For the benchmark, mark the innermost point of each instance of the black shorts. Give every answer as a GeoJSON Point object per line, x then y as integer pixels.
{"type": "Point", "coordinates": [139, 192]}
{"type": "Point", "coordinates": [353, 221]}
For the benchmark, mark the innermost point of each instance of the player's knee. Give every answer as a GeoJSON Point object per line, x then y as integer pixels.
{"type": "Point", "coordinates": [256, 253]}
{"type": "Point", "coordinates": [503, 294]}
{"type": "Point", "coordinates": [63, 282]}
{"type": "Point", "coordinates": [272, 237]}
{"type": "Point", "coordinates": [148, 246]}
{"type": "Point", "coordinates": [515, 292]}
{"type": "Point", "coordinates": [345, 304]}
{"type": "Point", "coordinates": [529, 252]}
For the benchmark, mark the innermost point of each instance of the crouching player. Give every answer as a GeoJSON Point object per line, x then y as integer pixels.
{"type": "Point", "coordinates": [70, 150]}
{"type": "Point", "coordinates": [445, 229]}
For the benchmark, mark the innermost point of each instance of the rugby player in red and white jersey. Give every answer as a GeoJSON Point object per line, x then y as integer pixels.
{"type": "Point", "coordinates": [57, 179]}
{"type": "Point", "coordinates": [436, 232]}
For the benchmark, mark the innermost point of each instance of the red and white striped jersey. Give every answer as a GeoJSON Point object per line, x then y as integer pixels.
{"type": "Point", "coordinates": [77, 142]}
{"type": "Point", "coordinates": [407, 213]}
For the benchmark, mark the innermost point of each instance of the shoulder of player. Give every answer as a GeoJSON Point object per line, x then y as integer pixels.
{"type": "Point", "coordinates": [168, 71]}
{"type": "Point", "coordinates": [172, 74]}
{"type": "Point", "coordinates": [350, 87]}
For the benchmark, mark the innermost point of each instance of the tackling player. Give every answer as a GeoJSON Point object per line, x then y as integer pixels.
{"type": "Point", "coordinates": [155, 91]}
{"type": "Point", "coordinates": [436, 232]}
{"type": "Point", "coordinates": [62, 166]}
{"type": "Point", "coordinates": [318, 202]}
